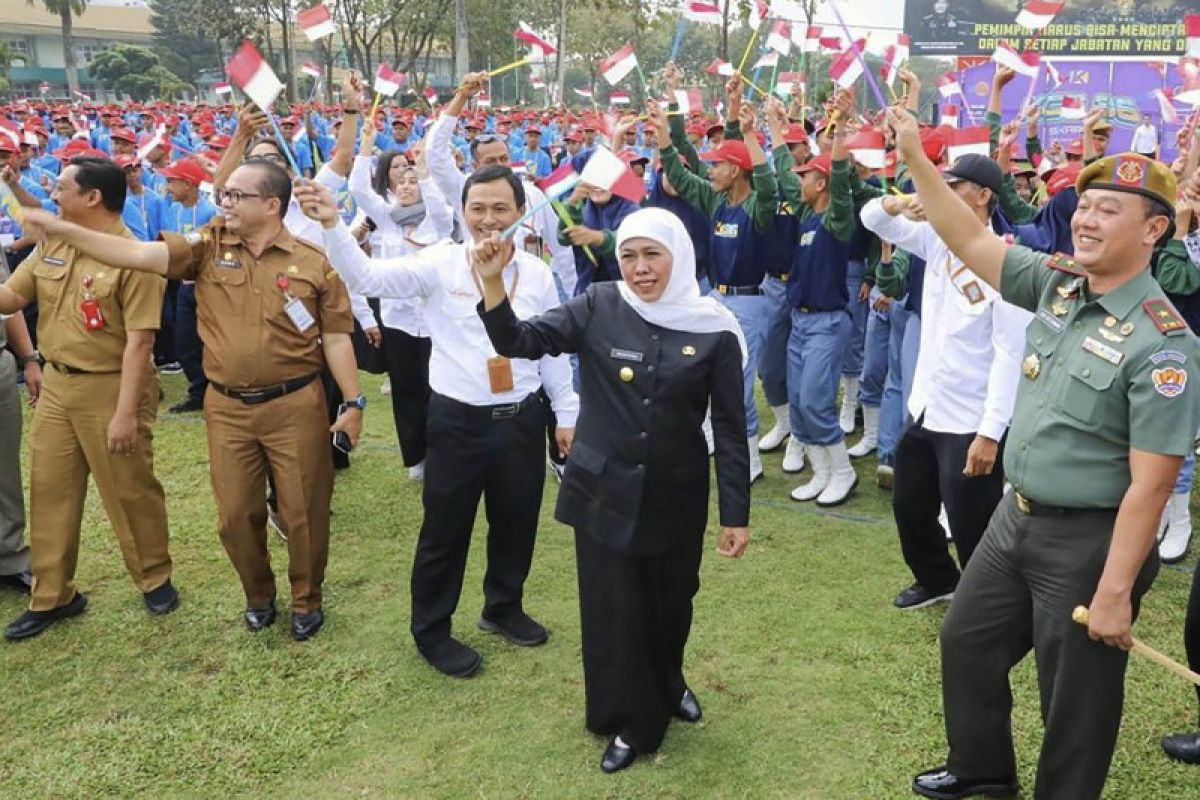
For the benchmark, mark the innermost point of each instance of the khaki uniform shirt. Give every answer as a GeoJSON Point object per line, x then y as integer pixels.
{"type": "Point", "coordinates": [1101, 374]}
{"type": "Point", "coordinates": [249, 339]}
{"type": "Point", "coordinates": [53, 277]}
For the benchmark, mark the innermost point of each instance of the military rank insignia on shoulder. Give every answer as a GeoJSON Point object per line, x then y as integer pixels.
{"type": "Point", "coordinates": [1064, 263]}
{"type": "Point", "coordinates": [1164, 316]}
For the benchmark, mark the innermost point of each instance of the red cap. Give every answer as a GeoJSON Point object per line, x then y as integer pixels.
{"type": "Point", "coordinates": [75, 147]}
{"type": "Point", "coordinates": [1075, 148]}
{"type": "Point", "coordinates": [933, 142]}
{"type": "Point", "coordinates": [1063, 177]}
{"type": "Point", "coordinates": [716, 126]}
{"type": "Point", "coordinates": [572, 137]}
{"type": "Point", "coordinates": [733, 151]}
{"type": "Point", "coordinates": [822, 164]}
{"type": "Point", "coordinates": [794, 134]}
{"type": "Point", "coordinates": [124, 134]}
{"type": "Point", "coordinates": [632, 157]}
{"type": "Point", "coordinates": [126, 161]}
{"type": "Point", "coordinates": [185, 170]}
{"type": "Point", "coordinates": [220, 141]}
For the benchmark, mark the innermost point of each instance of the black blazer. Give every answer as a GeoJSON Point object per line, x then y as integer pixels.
{"type": "Point", "coordinates": [637, 476]}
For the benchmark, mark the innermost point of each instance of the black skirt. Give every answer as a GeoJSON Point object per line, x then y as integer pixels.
{"type": "Point", "coordinates": [636, 614]}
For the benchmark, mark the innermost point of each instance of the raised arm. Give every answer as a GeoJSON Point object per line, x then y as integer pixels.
{"type": "Point", "coordinates": [250, 121]}
{"type": "Point", "coordinates": [691, 188]}
{"type": "Point", "coordinates": [104, 247]}
{"type": "Point", "coordinates": [343, 153]}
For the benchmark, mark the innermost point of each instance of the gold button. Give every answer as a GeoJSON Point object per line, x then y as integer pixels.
{"type": "Point", "coordinates": [626, 374]}
{"type": "Point", "coordinates": [1087, 373]}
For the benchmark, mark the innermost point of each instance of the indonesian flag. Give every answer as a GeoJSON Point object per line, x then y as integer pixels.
{"type": "Point", "coordinates": [893, 58]}
{"type": "Point", "coordinates": [559, 182]}
{"type": "Point", "coordinates": [618, 98]}
{"type": "Point", "coordinates": [878, 42]}
{"type": "Point", "coordinates": [316, 22]}
{"type": "Point", "coordinates": [160, 134]}
{"type": "Point", "coordinates": [586, 94]}
{"type": "Point", "coordinates": [1055, 77]}
{"type": "Point", "coordinates": [759, 13]}
{"type": "Point", "coordinates": [311, 70]}
{"type": "Point", "coordinates": [526, 35]}
{"type": "Point", "coordinates": [1191, 29]}
{"type": "Point", "coordinates": [949, 116]}
{"type": "Point", "coordinates": [847, 68]}
{"type": "Point", "coordinates": [785, 82]}
{"type": "Point", "coordinates": [768, 61]}
{"type": "Point", "coordinates": [968, 140]}
{"type": "Point", "coordinates": [1073, 108]}
{"type": "Point", "coordinates": [706, 13]}
{"type": "Point", "coordinates": [10, 131]}
{"type": "Point", "coordinates": [43, 87]}
{"type": "Point", "coordinates": [830, 44]}
{"type": "Point", "coordinates": [618, 65]}
{"type": "Point", "coordinates": [1022, 63]}
{"type": "Point", "coordinates": [719, 67]}
{"type": "Point", "coordinates": [780, 38]}
{"type": "Point", "coordinates": [809, 40]}
{"type": "Point", "coordinates": [254, 75]}
{"type": "Point", "coordinates": [430, 94]}
{"type": "Point", "coordinates": [1166, 106]}
{"type": "Point", "coordinates": [689, 100]}
{"type": "Point", "coordinates": [1037, 15]}
{"type": "Point", "coordinates": [537, 82]}
{"type": "Point", "coordinates": [387, 80]}
{"type": "Point", "coordinates": [868, 148]}
{"type": "Point", "coordinates": [222, 88]}
{"type": "Point", "coordinates": [483, 100]}
{"type": "Point", "coordinates": [606, 171]}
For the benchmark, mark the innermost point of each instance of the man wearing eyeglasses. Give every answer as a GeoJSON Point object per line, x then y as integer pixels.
{"type": "Point", "coordinates": [272, 314]}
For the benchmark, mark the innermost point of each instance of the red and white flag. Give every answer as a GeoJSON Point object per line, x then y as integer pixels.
{"type": "Point", "coordinates": [780, 38]}
{"type": "Point", "coordinates": [689, 100]}
{"type": "Point", "coordinates": [785, 81]}
{"type": "Point", "coordinates": [893, 58]}
{"type": "Point", "coordinates": [759, 12]}
{"type": "Point", "coordinates": [1166, 105]}
{"type": "Point", "coordinates": [559, 182]}
{"type": "Point", "coordinates": [1055, 77]}
{"type": "Point", "coordinates": [222, 88]}
{"type": "Point", "coordinates": [1073, 108]}
{"type": "Point", "coordinates": [250, 71]}
{"type": "Point", "coordinates": [311, 70]}
{"type": "Point", "coordinates": [387, 80]}
{"type": "Point", "coordinates": [706, 13]}
{"type": "Point", "coordinates": [719, 67]}
{"type": "Point", "coordinates": [618, 98]}
{"type": "Point", "coordinates": [527, 35]}
{"type": "Point", "coordinates": [618, 65]}
{"type": "Point", "coordinates": [537, 82]}
{"type": "Point", "coordinates": [1191, 29]}
{"type": "Point", "coordinates": [878, 42]}
{"type": "Point", "coordinates": [316, 22]}
{"type": "Point", "coordinates": [949, 116]}
{"type": "Point", "coordinates": [807, 39]}
{"type": "Point", "coordinates": [768, 61]}
{"type": "Point", "coordinates": [10, 131]}
{"type": "Point", "coordinates": [483, 100]}
{"type": "Point", "coordinates": [847, 67]}
{"type": "Point", "coordinates": [154, 141]}
{"type": "Point", "coordinates": [586, 94]}
{"type": "Point", "coordinates": [1037, 15]}
{"type": "Point", "coordinates": [430, 94]}
{"type": "Point", "coordinates": [607, 171]}
{"type": "Point", "coordinates": [868, 148]}
{"type": "Point", "coordinates": [1022, 63]}
{"type": "Point", "coordinates": [831, 44]}
{"type": "Point", "coordinates": [968, 140]}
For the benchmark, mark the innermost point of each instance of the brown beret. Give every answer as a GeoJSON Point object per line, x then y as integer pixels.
{"type": "Point", "coordinates": [1130, 172]}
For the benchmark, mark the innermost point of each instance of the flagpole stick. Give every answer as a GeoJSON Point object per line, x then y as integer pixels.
{"type": "Point", "coordinates": [679, 29]}
{"type": "Point", "coordinates": [566, 220]}
{"type": "Point", "coordinates": [287, 151]}
{"type": "Point", "coordinates": [752, 84]}
{"type": "Point", "coordinates": [862, 62]}
{"type": "Point", "coordinates": [645, 84]}
{"type": "Point", "coordinates": [749, 47]}
{"type": "Point", "coordinates": [511, 229]}
{"type": "Point", "coordinates": [508, 67]}
{"type": "Point", "coordinates": [374, 107]}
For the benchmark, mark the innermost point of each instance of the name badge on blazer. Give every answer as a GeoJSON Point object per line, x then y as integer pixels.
{"type": "Point", "coordinates": [626, 355]}
{"type": "Point", "coordinates": [54, 262]}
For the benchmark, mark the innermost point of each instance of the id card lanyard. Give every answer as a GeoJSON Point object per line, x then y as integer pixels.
{"type": "Point", "coordinates": [500, 374]}
{"type": "Point", "coordinates": [297, 312]}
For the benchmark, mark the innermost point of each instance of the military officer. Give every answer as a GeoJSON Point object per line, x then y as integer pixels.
{"type": "Point", "coordinates": [98, 404]}
{"type": "Point", "coordinates": [1104, 415]}
{"type": "Point", "coordinates": [271, 314]}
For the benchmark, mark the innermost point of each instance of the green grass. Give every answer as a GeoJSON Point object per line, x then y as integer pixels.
{"type": "Point", "coordinates": [812, 685]}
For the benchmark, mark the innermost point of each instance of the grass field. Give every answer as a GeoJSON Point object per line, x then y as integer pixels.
{"type": "Point", "coordinates": [812, 685]}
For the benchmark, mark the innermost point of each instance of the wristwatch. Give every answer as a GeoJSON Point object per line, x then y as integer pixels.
{"type": "Point", "coordinates": [359, 402]}
{"type": "Point", "coordinates": [24, 361]}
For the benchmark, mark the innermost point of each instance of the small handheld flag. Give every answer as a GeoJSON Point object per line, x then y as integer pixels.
{"type": "Point", "coordinates": [618, 65]}
{"type": "Point", "coordinates": [316, 22]}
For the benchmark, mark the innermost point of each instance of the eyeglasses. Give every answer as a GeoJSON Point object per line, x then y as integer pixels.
{"type": "Point", "coordinates": [234, 196]}
{"type": "Point", "coordinates": [484, 138]}
{"type": "Point", "coordinates": [276, 157]}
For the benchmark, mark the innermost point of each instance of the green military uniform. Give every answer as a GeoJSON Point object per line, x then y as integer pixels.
{"type": "Point", "coordinates": [1101, 374]}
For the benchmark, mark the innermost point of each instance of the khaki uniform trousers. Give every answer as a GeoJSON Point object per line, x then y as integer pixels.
{"type": "Point", "coordinates": [290, 434]}
{"type": "Point", "coordinates": [69, 441]}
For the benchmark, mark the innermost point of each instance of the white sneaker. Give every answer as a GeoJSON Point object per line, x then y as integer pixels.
{"type": "Point", "coordinates": [386, 386]}
{"type": "Point", "coordinates": [1174, 545]}
{"type": "Point", "coordinates": [782, 430]}
{"type": "Point", "coordinates": [819, 456]}
{"type": "Point", "coordinates": [849, 403]}
{"type": "Point", "coordinates": [885, 476]}
{"type": "Point", "coordinates": [842, 477]}
{"type": "Point", "coordinates": [870, 438]}
{"type": "Point", "coordinates": [756, 467]}
{"type": "Point", "coordinates": [417, 472]}
{"type": "Point", "coordinates": [793, 457]}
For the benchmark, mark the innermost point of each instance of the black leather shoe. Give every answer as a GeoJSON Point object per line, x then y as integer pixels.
{"type": "Point", "coordinates": [689, 707]}
{"type": "Point", "coordinates": [162, 600]}
{"type": "Point", "coordinates": [187, 405]}
{"type": "Point", "coordinates": [451, 657]}
{"type": "Point", "coordinates": [259, 618]}
{"type": "Point", "coordinates": [519, 628]}
{"type": "Point", "coordinates": [1183, 747]}
{"type": "Point", "coordinates": [18, 581]}
{"type": "Point", "coordinates": [617, 756]}
{"type": "Point", "coordinates": [943, 784]}
{"type": "Point", "coordinates": [305, 626]}
{"type": "Point", "coordinates": [31, 623]}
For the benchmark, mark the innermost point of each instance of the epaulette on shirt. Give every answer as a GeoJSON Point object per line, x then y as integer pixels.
{"type": "Point", "coordinates": [1164, 316]}
{"type": "Point", "coordinates": [1064, 263]}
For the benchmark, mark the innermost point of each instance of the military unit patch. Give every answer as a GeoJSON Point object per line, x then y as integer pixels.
{"type": "Point", "coordinates": [1169, 381]}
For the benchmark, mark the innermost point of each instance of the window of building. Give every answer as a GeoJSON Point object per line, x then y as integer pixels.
{"type": "Point", "coordinates": [20, 50]}
{"type": "Point", "coordinates": [86, 50]}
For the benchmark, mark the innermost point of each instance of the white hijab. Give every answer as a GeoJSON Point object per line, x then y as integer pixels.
{"type": "Point", "coordinates": [681, 307]}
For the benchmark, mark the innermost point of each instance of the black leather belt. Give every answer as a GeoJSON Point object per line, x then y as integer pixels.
{"type": "Point", "coordinates": [68, 369]}
{"type": "Point", "coordinates": [736, 291]}
{"type": "Point", "coordinates": [253, 397]}
{"type": "Point", "coordinates": [1033, 508]}
{"type": "Point", "coordinates": [808, 310]}
{"type": "Point", "coordinates": [497, 412]}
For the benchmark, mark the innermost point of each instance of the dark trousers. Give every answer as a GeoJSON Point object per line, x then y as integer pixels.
{"type": "Point", "coordinates": [551, 427]}
{"type": "Point", "coordinates": [408, 369]}
{"type": "Point", "coordinates": [1017, 593]}
{"type": "Point", "coordinates": [929, 473]}
{"type": "Point", "coordinates": [471, 455]}
{"type": "Point", "coordinates": [188, 348]}
{"type": "Point", "coordinates": [1191, 627]}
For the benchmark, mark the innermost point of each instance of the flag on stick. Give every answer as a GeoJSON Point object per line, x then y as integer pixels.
{"type": "Point", "coordinates": [618, 65]}
{"type": "Point", "coordinates": [316, 22]}
{"type": "Point", "coordinates": [949, 116]}
{"type": "Point", "coordinates": [526, 34]}
{"type": "Point", "coordinates": [254, 75]}
{"type": "Point", "coordinates": [768, 61]}
{"type": "Point", "coordinates": [780, 39]}
{"type": "Point", "coordinates": [968, 140]}
{"type": "Point", "coordinates": [1166, 105]}
{"type": "Point", "coordinates": [719, 67]}
{"type": "Point", "coordinates": [618, 98]}
{"type": "Point", "coordinates": [706, 13]}
{"type": "Point", "coordinates": [1072, 108]}
{"type": "Point", "coordinates": [847, 67]}
{"type": "Point", "coordinates": [387, 80]}
{"type": "Point", "coordinates": [222, 88]}
{"type": "Point", "coordinates": [586, 94]}
{"type": "Point", "coordinates": [1037, 15]}
{"type": "Point", "coordinates": [1023, 63]}
{"type": "Point", "coordinates": [311, 70]}
{"type": "Point", "coordinates": [606, 171]}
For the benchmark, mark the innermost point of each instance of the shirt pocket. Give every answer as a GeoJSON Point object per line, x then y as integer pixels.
{"type": "Point", "coordinates": [50, 281]}
{"type": "Point", "coordinates": [1087, 386]}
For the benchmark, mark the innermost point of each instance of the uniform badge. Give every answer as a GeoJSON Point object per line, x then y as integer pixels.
{"type": "Point", "coordinates": [626, 355]}
{"type": "Point", "coordinates": [1110, 336]}
{"type": "Point", "coordinates": [228, 255]}
{"type": "Point", "coordinates": [974, 293]}
{"type": "Point", "coordinates": [1110, 322]}
{"type": "Point", "coordinates": [1169, 381]}
{"type": "Point", "coordinates": [1127, 329]}
{"type": "Point", "coordinates": [1131, 173]}
{"type": "Point", "coordinates": [625, 374]}
{"type": "Point", "coordinates": [1164, 316]}
{"type": "Point", "coordinates": [1051, 322]}
{"type": "Point", "coordinates": [1059, 308]}
{"type": "Point", "coordinates": [54, 262]}
{"type": "Point", "coordinates": [1101, 350]}
{"type": "Point", "coordinates": [1168, 355]}
{"type": "Point", "coordinates": [1031, 366]}
{"type": "Point", "coordinates": [688, 350]}
{"type": "Point", "coordinates": [293, 269]}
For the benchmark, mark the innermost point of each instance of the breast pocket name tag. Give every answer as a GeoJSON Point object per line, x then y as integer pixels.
{"type": "Point", "coordinates": [299, 314]}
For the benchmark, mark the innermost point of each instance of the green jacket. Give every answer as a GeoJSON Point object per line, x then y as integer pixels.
{"type": "Point", "coordinates": [760, 205]}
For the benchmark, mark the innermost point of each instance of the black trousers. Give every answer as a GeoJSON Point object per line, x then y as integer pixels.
{"type": "Point", "coordinates": [551, 426]}
{"type": "Point", "coordinates": [929, 473]}
{"type": "Point", "coordinates": [408, 369]}
{"type": "Point", "coordinates": [1191, 627]}
{"type": "Point", "coordinates": [471, 455]}
{"type": "Point", "coordinates": [636, 615]}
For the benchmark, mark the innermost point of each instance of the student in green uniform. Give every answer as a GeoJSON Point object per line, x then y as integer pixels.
{"type": "Point", "coordinates": [1104, 415]}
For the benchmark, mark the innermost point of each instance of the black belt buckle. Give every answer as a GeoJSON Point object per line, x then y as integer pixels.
{"type": "Point", "coordinates": [506, 412]}
{"type": "Point", "coordinates": [253, 398]}
{"type": "Point", "coordinates": [1023, 504]}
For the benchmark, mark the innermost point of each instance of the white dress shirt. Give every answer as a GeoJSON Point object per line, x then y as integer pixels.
{"type": "Point", "coordinates": [442, 276]}
{"type": "Point", "coordinates": [1145, 139]}
{"type": "Point", "coordinates": [968, 365]}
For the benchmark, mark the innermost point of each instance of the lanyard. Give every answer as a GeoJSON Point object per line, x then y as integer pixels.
{"type": "Point", "coordinates": [511, 293]}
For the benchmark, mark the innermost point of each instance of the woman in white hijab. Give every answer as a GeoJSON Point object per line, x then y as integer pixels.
{"type": "Point", "coordinates": [653, 355]}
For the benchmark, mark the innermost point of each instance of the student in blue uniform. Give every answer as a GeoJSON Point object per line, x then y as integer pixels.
{"type": "Point", "coordinates": [143, 213]}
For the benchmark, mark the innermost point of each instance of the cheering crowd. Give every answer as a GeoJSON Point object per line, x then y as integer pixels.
{"type": "Point", "coordinates": [1007, 335]}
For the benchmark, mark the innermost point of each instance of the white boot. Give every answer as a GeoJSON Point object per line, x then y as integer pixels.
{"type": "Point", "coordinates": [870, 438]}
{"type": "Point", "coordinates": [706, 427]}
{"type": "Point", "coordinates": [756, 468]}
{"type": "Point", "coordinates": [842, 477]}
{"type": "Point", "coordinates": [793, 457]}
{"type": "Point", "coordinates": [1174, 544]}
{"type": "Point", "coordinates": [849, 403]}
{"type": "Point", "coordinates": [782, 430]}
{"type": "Point", "coordinates": [819, 457]}
{"type": "Point", "coordinates": [417, 471]}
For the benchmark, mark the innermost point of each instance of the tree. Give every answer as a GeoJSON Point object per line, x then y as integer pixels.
{"type": "Point", "coordinates": [194, 35]}
{"type": "Point", "coordinates": [135, 71]}
{"type": "Point", "coordinates": [5, 65]}
{"type": "Point", "coordinates": [65, 10]}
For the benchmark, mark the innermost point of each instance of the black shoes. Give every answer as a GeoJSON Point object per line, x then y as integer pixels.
{"type": "Point", "coordinates": [31, 623]}
{"type": "Point", "coordinates": [169, 367]}
{"type": "Point", "coordinates": [188, 404]}
{"type": "Point", "coordinates": [305, 626]}
{"type": "Point", "coordinates": [162, 600]}
{"type": "Point", "coordinates": [451, 657]}
{"type": "Point", "coordinates": [942, 784]}
{"type": "Point", "coordinates": [1183, 747]}
{"type": "Point", "coordinates": [617, 756]}
{"type": "Point", "coordinates": [259, 618]}
{"type": "Point", "coordinates": [689, 707]}
{"type": "Point", "coordinates": [518, 627]}
{"type": "Point", "coordinates": [917, 596]}
{"type": "Point", "coordinates": [18, 581]}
